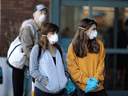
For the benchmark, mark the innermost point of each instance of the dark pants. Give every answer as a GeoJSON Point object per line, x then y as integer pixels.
{"type": "Point", "coordinates": [17, 79]}
{"type": "Point", "coordinates": [38, 92]}
{"type": "Point", "coordinates": [99, 93]}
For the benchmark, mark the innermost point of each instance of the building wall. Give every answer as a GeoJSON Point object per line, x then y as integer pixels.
{"type": "Point", "coordinates": [13, 13]}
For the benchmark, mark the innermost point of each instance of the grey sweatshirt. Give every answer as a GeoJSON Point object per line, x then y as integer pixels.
{"type": "Point", "coordinates": [43, 69]}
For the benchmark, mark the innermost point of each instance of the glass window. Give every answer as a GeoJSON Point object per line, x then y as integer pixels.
{"type": "Point", "coordinates": [121, 72]}
{"type": "Point", "coordinates": [70, 17]}
{"type": "Point", "coordinates": [122, 28]}
{"type": "Point", "coordinates": [104, 16]}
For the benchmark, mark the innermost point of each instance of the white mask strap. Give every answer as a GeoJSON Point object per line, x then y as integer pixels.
{"type": "Point", "coordinates": [44, 35]}
{"type": "Point", "coordinates": [82, 28]}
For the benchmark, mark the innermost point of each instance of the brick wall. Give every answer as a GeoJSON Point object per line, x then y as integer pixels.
{"type": "Point", "coordinates": [13, 13]}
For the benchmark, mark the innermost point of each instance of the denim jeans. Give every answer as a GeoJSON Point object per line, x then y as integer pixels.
{"type": "Point", "coordinates": [27, 82]}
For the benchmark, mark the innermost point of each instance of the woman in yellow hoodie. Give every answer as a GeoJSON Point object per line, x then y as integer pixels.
{"type": "Point", "coordinates": [86, 56]}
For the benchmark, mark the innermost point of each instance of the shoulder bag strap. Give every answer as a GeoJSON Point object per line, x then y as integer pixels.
{"type": "Point", "coordinates": [77, 88]}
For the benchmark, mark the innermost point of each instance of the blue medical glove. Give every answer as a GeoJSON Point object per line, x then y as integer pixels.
{"type": "Point", "coordinates": [88, 81]}
{"type": "Point", "coordinates": [87, 89]}
{"type": "Point", "coordinates": [91, 85]}
{"type": "Point", "coordinates": [94, 80]}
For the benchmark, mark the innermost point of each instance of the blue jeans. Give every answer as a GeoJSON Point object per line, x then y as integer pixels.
{"type": "Point", "coordinates": [27, 82]}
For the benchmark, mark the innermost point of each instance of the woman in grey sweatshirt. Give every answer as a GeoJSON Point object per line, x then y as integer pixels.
{"type": "Point", "coordinates": [48, 67]}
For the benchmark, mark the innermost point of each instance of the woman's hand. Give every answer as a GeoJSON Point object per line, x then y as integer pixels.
{"type": "Point", "coordinates": [91, 85]}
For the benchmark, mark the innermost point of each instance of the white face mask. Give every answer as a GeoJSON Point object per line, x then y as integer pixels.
{"type": "Point", "coordinates": [42, 18]}
{"type": "Point", "coordinates": [93, 35]}
{"type": "Point", "coordinates": [53, 39]}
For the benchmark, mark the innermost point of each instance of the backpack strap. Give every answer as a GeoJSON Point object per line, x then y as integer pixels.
{"type": "Point", "coordinates": [39, 52]}
{"type": "Point", "coordinates": [76, 86]}
{"type": "Point", "coordinates": [68, 74]}
{"type": "Point", "coordinates": [13, 50]}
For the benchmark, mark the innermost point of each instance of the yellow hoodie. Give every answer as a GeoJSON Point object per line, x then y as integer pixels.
{"type": "Point", "coordinates": [91, 65]}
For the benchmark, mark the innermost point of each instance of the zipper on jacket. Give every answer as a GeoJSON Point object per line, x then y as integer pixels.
{"type": "Point", "coordinates": [58, 78]}
{"type": "Point", "coordinates": [56, 72]}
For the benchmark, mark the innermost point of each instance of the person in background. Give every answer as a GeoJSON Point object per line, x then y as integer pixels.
{"type": "Point", "coordinates": [122, 58]}
{"type": "Point", "coordinates": [28, 40]}
{"type": "Point", "coordinates": [49, 67]}
{"type": "Point", "coordinates": [18, 74]}
{"type": "Point", "coordinates": [86, 56]}
{"type": "Point", "coordinates": [66, 33]}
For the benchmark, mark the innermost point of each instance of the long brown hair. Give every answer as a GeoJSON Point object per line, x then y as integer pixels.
{"type": "Point", "coordinates": [45, 29]}
{"type": "Point", "coordinates": [81, 40]}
